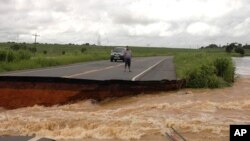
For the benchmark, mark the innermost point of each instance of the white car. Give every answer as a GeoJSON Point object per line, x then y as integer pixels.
{"type": "Point", "coordinates": [117, 54]}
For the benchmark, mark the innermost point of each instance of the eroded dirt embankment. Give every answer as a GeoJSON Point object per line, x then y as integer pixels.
{"type": "Point", "coordinates": [16, 92]}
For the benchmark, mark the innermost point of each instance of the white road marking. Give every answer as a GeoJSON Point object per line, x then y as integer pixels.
{"type": "Point", "coordinates": [20, 72]}
{"type": "Point", "coordinates": [91, 71]}
{"type": "Point", "coordinates": [43, 69]}
{"type": "Point", "coordinates": [148, 69]}
{"type": "Point", "coordinates": [35, 139]}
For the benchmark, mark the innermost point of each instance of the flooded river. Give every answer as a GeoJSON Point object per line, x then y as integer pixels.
{"type": "Point", "coordinates": [197, 114]}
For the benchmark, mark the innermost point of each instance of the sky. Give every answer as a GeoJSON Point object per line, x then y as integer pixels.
{"type": "Point", "coordinates": [161, 23]}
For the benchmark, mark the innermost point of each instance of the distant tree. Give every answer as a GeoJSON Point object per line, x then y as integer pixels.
{"type": "Point", "coordinates": [10, 42]}
{"type": "Point", "coordinates": [240, 50]}
{"type": "Point", "coordinates": [212, 46]}
{"type": "Point", "coordinates": [246, 46]}
{"type": "Point", "coordinates": [224, 46]}
{"type": "Point", "coordinates": [230, 47]}
{"type": "Point", "coordinates": [63, 52]}
{"type": "Point", "coordinates": [87, 44]}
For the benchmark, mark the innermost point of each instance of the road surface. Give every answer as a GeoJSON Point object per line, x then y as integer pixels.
{"type": "Point", "coordinates": [143, 69]}
{"type": "Point", "coordinates": [23, 138]}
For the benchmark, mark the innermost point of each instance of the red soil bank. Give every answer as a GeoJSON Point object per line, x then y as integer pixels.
{"type": "Point", "coordinates": [16, 92]}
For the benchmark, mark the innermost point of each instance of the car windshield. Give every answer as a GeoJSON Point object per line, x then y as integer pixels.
{"type": "Point", "coordinates": [118, 50]}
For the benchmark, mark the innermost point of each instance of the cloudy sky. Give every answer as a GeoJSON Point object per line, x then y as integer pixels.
{"type": "Point", "coordinates": [165, 23]}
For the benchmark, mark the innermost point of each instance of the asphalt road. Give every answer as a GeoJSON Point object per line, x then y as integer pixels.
{"type": "Point", "coordinates": [144, 68]}
{"type": "Point", "coordinates": [23, 138]}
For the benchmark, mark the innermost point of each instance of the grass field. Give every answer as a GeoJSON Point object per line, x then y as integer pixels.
{"type": "Point", "coordinates": [187, 61]}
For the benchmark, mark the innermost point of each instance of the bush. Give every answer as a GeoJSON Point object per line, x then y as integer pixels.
{"type": "Point", "coordinates": [240, 50]}
{"type": "Point", "coordinates": [225, 69]}
{"type": "Point", "coordinates": [203, 77]}
{"type": "Point", "coordinates": [17, 47]}
{"type": "Point", "coordinates": [7, 56]}
{"type": "Point", "coordinates": [212, 75]}
{"type": "Point", "coordinates": [23, 55]}
{"type": "Point", "coordinates": [83, 50]}
{"type": "Point", "coordinates": [33, 49]}
{"type": "Point", "coordinates": [11, 56]}
{"type": "Point", "coordinates": [3, 55]}
{"type": "Point", "coordinates": [63, 52]}
{"type": "Point", "coordinates": [221, 65]}
{"type": "Point", "coordinates": [45, 52]}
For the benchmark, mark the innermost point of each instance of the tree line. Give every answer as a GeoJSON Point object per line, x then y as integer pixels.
{"type": "Point", "coordinates": [236, 47]}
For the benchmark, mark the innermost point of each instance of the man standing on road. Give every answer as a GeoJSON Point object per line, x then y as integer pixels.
{"type": "Point", "coordinates": [127, 58]}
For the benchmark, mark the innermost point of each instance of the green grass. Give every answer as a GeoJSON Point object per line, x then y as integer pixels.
{"type": "Point", "coordinates": [186, 61]}
{"type": "Point", "coordinates": [189, 62]}
{"type": "Point", "coordinates": [54, 56]}
{"type": "Point", "coordinates": [201, 69]}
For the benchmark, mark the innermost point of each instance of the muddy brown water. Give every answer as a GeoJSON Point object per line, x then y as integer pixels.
{"type": "Point", "coordinates": [198, 114]}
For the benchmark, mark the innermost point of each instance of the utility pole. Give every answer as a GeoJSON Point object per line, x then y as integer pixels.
{"type": "Point", "coordinates": [36, 35]}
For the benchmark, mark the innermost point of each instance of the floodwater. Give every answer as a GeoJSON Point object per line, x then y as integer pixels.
{"type": "Point", "coordinates": [197, 114]}
{"type": "Point", "coordinates": [242, 65]}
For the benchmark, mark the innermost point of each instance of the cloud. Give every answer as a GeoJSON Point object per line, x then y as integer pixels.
{"type": "Point", "coordinates": [127, 18]}
{"type": "Point", "coordinates": [242, 28]}
{"type": "Point", "coordinates": [202, 29]}
{"type": "Point", "coordinates": [141, 22]}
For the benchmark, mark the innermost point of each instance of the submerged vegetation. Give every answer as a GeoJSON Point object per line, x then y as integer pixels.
{"type": "Point", "coordinates": [208, 67]}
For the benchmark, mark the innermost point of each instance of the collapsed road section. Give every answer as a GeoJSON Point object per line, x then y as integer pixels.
{"type": "Point", "coordinates": [19, 91]}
